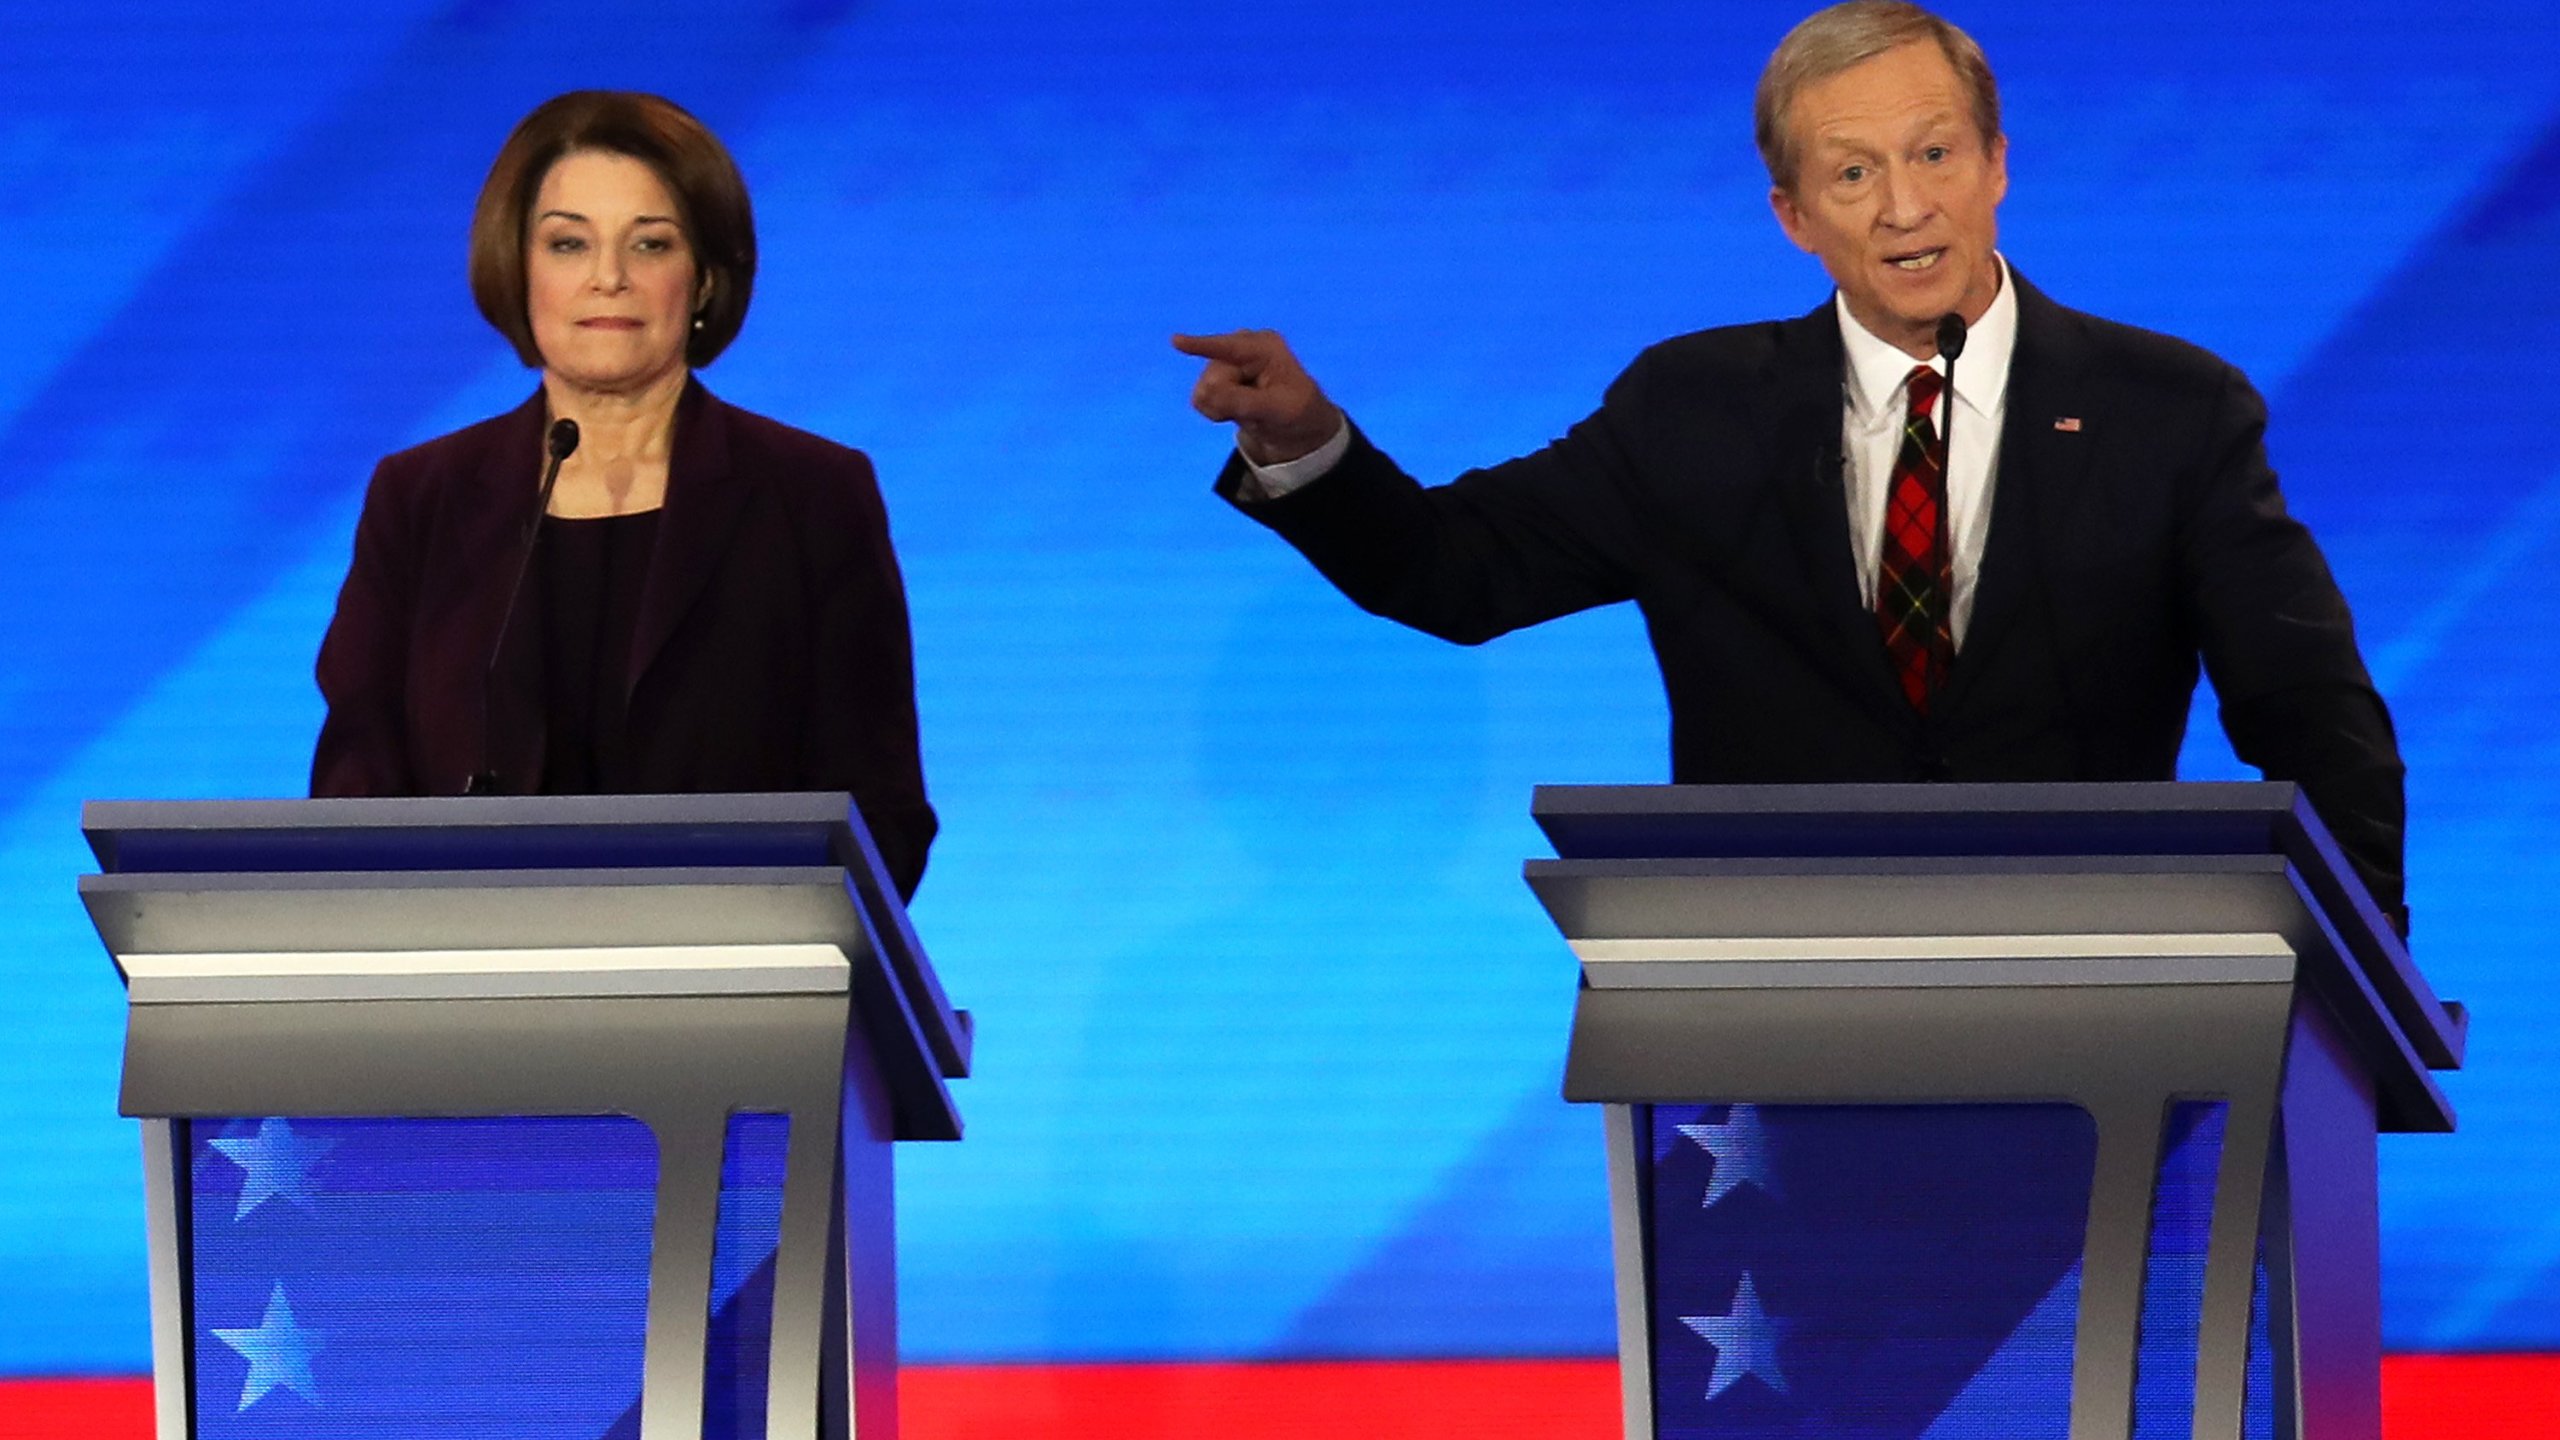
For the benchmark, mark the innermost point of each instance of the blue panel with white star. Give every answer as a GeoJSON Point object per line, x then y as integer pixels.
{"type": "Point", "coordinates": [391, 1279]}
{"type": "Point", "coordinates": [1865, 1272]}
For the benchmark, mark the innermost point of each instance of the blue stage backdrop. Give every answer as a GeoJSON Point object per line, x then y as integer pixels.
{"type": "Point", "coordinates": [1229, 870]}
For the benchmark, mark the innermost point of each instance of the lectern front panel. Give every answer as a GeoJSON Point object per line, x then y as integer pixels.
{"type": "Point", "coordinates": [1912, 1272]}
{"type": "Point", "coordinates": [1865, 1270]}
{"type": "Point", "coordinates": [386, 1279]}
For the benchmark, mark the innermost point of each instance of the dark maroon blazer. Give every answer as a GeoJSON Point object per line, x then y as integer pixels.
{"type": "Point", "coordinates": [771, 651]}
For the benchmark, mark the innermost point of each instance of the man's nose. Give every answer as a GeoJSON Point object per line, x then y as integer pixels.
{"type": "Point", "coordinates": [1906, 200]}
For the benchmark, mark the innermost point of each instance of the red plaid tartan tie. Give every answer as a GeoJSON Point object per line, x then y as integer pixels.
{"type": "Point", "coordinates": [1914, 592]}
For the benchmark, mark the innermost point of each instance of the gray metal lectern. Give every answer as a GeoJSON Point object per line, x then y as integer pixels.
{"type": "Point", "coordinates": [2129, 977]}
{"type": "Point", "coordinates": [520, 1116]}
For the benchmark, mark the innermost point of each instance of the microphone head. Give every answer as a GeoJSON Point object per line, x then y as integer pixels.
{"type": "Point", "coordinates": [1950, 337]}
{"type": "Point", "coordinates": [564, 436]}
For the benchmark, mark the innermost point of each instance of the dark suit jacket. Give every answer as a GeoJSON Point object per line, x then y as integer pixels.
{"type": "Point", "coordinates": [771, 651]}
{"type": "Point", "coordinates": [1708, 489]}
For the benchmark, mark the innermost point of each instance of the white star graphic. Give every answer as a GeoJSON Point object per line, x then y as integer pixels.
{"type": "Point", "coordinates": [276, 1161]}
{"type": "Point", "coordinates": [279, 1353]}
{"type": "Point", "coordinates": [1741, 1151]}
{"type": "Point", "coordinates": [1746, 1341]}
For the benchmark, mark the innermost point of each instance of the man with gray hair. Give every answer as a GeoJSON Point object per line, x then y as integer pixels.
{"type": "Point", "coordinates": [1834, 592]}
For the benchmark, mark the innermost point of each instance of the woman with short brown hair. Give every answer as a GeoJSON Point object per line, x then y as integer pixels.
{"type": "Point", "coordinates": [710, 601]}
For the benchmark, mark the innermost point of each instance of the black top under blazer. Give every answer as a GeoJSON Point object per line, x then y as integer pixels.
{"type": "Point", "coordinates": [1708, 489]}
{"type": "Point", "coordinates": [771, 650]}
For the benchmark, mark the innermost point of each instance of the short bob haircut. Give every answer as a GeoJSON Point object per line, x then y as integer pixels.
{"type": "Point", "coordinates": [1843, 37]}
{"type": "Point", "coordinates": [710, 197]}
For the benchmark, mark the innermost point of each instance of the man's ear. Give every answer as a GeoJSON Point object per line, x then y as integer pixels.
{"type": "Point", "coordinates": [1790, 218]}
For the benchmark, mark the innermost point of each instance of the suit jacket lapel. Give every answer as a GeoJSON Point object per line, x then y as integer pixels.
{"type": "Point", "coordinates": [703, 503]}
{"type": "Point", "coordinates": [2043, 454]}
{"type": "Point", "coordinates": [1812, 482]}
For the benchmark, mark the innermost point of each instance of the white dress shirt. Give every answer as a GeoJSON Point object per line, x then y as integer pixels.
{"type": "Point", "coordinates": [1873, 398]}
{"type": "Point", "coordinates": [1872, 402]}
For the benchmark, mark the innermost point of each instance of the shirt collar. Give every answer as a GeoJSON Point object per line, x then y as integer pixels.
{"type": "Point", "coordinates": [1876, 369]}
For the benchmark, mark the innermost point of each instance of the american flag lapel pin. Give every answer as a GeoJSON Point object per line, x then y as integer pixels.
{"type": "Point", "coordinates": [2067, 424]}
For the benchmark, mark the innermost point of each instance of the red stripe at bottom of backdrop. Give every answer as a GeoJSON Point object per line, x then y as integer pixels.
{"type": "Point", "coordinates": [2425, 1397]}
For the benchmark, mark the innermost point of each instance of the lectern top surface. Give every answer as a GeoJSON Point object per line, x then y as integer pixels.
{"type": "Point", "coordinates": [550, 833]}
{"type": "Point", "coordinates": [1604, 822]}
{"type": "Point", "coordinates": [494, 832]}
{"type": "Point", "coordinates": [2003, 826]}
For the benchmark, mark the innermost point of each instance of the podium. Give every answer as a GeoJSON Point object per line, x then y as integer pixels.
{"type": "Point", "coordinates": [557, 1116]}
{"type": "Point", "coordinates": [1998, 1110]}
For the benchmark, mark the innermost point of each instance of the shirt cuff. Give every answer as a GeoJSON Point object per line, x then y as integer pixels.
{"type": "Point", "coordinates": [1270, 482]}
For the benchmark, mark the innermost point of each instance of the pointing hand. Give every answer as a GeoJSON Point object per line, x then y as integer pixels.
{"type": "Point", "coordinates": [1253, 380]}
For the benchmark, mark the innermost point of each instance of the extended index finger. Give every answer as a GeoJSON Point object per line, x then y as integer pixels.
{"type": "Point", "coordinates": [1236, 347]}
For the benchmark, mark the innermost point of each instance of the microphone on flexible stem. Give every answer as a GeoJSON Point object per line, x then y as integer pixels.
{"type": "Point", "coordinates": [561, 441]}
{"type": "Point", "coordinates": [1950, 345]}
{"type": "Point", "coordinates": [1951, 335]}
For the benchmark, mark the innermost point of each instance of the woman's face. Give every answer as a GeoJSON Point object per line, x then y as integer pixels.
{"type": "Point", "coordinates": [610, 279]}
